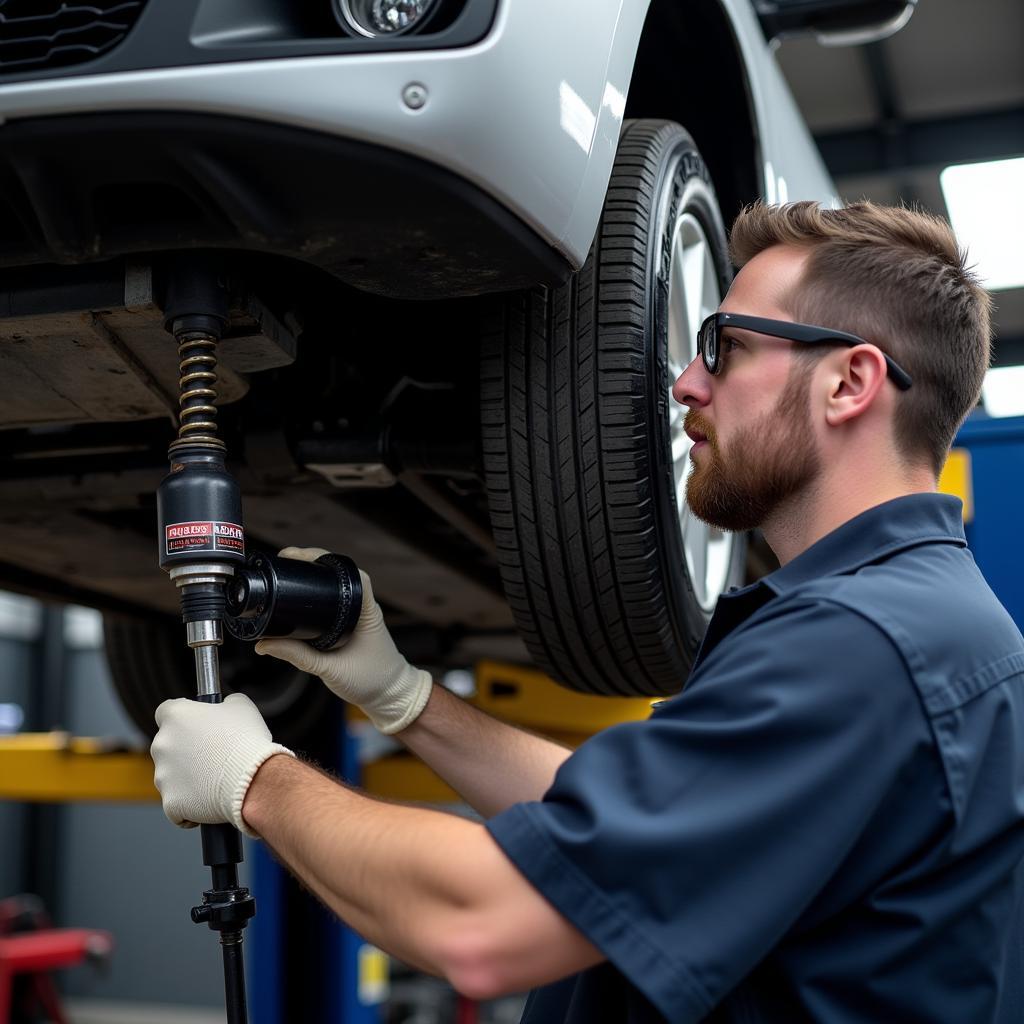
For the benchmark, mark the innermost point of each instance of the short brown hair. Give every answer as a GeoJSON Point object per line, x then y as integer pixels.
{"type": "Point", "coordinates": [895, 277]}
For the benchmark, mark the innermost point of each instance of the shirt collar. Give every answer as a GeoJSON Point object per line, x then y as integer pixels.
{"type": "Point", "coordinates": [873, 536]}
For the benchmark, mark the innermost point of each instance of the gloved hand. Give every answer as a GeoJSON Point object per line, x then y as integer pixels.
{"type": "Point", "coordinates": [206, 755]}
{"type": "Point", "coordinates": [368, 670]}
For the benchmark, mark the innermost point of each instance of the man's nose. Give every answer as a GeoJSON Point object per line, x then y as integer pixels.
{"type": "Point", "coordinates": [693, 385]}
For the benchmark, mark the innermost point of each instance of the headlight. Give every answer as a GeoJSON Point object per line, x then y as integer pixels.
{"type": "Point", "coordinates": [383, 17]}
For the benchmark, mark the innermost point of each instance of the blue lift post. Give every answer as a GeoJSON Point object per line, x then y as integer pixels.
{"type": "Point", "coordinates": [996, 448]}
{"type": "Point", "coordinates": [342, 995]}
{"type": "Point", "coordinates": [264, 963]}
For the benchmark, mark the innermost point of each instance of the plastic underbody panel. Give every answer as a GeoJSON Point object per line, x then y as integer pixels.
{"type": "Point", "coordinates": [83, 188]}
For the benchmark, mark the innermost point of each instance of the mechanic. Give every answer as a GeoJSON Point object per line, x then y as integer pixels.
{"type": "Point", "coordinates": [827, 824]}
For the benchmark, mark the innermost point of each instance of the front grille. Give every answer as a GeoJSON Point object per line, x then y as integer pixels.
{"type": "Point", "coordinates": [40, 34]}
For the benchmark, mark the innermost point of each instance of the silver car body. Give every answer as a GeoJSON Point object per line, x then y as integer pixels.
{"type": "Point", "coordinates": [531, 114]}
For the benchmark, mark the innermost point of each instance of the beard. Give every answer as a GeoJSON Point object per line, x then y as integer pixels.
{"type": "Point", "coordinates": [766, 463]}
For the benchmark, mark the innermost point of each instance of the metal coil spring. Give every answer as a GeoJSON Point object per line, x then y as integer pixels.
{"type": "Point", "coordinates": [197, 368]}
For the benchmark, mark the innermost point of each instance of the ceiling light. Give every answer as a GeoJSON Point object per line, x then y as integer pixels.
{"type": "Point", "coordinates": [986, 206]}
{"type": "Point", "coordinates": [1002, 394]}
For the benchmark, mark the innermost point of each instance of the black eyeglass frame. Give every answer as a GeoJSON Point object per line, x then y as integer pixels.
{"type": "Point", "coordinates": [710, 350]}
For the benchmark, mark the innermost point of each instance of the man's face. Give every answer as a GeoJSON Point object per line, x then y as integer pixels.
{"type": "Point", "coordinates": [759, 447]}
{"type": "Point", "coordinates": [736, 486]}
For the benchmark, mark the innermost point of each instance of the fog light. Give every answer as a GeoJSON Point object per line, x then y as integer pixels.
{"type": "Point", "coordinates": [384, 17]}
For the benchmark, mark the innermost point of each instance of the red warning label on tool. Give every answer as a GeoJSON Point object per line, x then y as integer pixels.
{"type": "Point", "coordinates": [208, 536]}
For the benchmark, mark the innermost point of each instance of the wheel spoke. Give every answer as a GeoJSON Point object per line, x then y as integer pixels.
{"type": "Point", "coordinates": [681, 446]}
{"type": "Point", "coordinates": [719, 548]}
{"type": "Point", "coordinates": [678, 315]}
{"type": "Point", "coordinates": [695, 274]}
{"type": "Point", "coordinates": [699, 550]}
{"type": "Point", "coordinates": [683, 509]}
{"type": "Point", "coordinates": [693, 295]}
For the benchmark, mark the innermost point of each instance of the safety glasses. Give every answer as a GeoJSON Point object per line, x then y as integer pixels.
{"type": "Point", "coordinates": [709, 340]}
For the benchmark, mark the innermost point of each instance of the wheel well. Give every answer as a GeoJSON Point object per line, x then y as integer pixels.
{"type": "Point", "coordinates": [689, 69]}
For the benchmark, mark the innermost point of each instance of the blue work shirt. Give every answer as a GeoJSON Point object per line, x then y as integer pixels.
{"type": "Point", "coordinates": [827, 824]}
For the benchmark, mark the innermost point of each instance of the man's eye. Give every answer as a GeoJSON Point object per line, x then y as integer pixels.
{"type": "Point", "coordinates": [730, 344]}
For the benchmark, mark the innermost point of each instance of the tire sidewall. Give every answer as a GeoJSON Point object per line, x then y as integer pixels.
{"type": "Point", "coordinates": [683, 187]}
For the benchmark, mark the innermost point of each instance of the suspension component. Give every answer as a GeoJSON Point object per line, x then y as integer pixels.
{"type": "Point", "coordinates": [197, 368]}
{"type": "Point", "coordinates": [199, 503]}
{"type": "Point", "coordinates": [195, 304]}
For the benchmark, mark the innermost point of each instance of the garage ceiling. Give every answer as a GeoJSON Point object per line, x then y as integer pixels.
{"type": "Point", "coordinates": [889, 116]}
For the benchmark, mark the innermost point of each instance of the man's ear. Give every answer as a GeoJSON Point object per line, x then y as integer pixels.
{"type": "Point", "coordinates": [854, 383]}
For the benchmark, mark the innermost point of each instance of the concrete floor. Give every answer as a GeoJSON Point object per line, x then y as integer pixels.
{"type": "Point", "coordinates": [94, 1011]}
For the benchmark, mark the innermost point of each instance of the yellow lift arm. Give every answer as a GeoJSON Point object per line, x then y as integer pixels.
{"type": "Point", "coordinates": [515, 694]}
{"type": "Point", "coordinates": [55, 767]}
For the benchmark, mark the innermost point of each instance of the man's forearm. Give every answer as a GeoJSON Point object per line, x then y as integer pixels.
{"type": "Point", "coordinates": [433, 889]}
{"type": "Point", "coordinates": [491, 764]}
{"type": "Point", "coordinates": [344, 845]}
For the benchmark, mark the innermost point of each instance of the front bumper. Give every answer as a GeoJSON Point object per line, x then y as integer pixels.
{"type": "Point", "coordinates": [530, 115]}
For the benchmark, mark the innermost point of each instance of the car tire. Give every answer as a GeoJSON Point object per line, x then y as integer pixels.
{"type": "Point", "coordinates": [610, 578]}
{"type": "Point", "coordinates": [150, 662]}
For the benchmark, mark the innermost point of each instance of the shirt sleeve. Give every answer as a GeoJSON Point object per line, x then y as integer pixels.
{"type": "Point", "coordinates": [686, 846]}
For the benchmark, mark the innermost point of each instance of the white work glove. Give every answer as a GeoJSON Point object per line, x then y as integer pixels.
{"type": "Point", "coordinates": [206, 755]}
{"type": "Point", "coordinates": [368, 671]}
